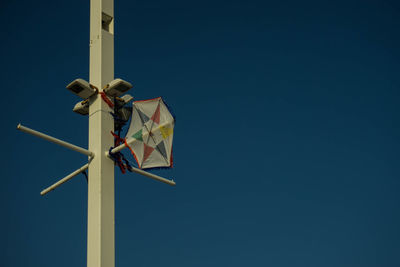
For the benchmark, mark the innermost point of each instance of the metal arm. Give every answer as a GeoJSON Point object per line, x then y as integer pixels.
{"type": "Point", "coordinates": [140, 171]}
{"type": "Point", "coordinates": [153, 176]}
{"type": "Point", "coordinates": [66, 178]}
{"type": "Point", "coordinates": [55, 140]}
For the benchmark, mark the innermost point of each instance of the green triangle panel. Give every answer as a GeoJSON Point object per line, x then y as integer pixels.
{"type": "Point", "coordinates": [138, 135]}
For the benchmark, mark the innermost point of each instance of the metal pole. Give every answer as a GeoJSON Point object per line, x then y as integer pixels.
{"type": "Point", "coordinates": [153, 176]}
{"type": "Point", "coordinates": [101, 241]}
{"type": "Point", "coordinates": [66, 178]}
{"type": "Point", "coordinates": [120, 147]}
{"type": "Point", "coordinates": [55, 140]}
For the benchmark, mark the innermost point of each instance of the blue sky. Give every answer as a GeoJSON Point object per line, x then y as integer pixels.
{"type": "Point", "coordinates": [286, 142]}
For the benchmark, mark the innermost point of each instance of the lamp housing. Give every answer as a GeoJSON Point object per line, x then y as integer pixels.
{"type": "Point", "coordinates": [82, 107]}
{"type": "Point", "coordinates": [123, 100]}
{"type": "Point", "coordinates": [81, 88]}
{"type": "Point", "coordinates": [125, 113]}
{"type": "Point", "coordinates": [117, 87]}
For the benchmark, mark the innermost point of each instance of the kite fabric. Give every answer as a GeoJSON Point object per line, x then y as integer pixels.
{"type": "Point", "coordinates": [150, 133]}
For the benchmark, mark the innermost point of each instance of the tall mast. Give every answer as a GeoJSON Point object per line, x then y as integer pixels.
{"type": "Point", "coordinates": [101, 230]}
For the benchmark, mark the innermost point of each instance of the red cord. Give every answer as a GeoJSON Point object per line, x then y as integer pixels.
{"type": "Point", "coordinates": [133, 153]}
{"type": "Point", "coordinates": [107, 100]}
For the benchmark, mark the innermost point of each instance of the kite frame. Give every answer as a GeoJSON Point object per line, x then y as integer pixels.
{"type": "Point", "coordinates": [171, 165]}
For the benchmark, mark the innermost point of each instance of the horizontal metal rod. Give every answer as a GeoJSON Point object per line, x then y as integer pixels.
{"type": "Point", "coordinates": [55, 140]}
{"type": "Point", "coordinates": [153, 176]}
{"type": "Point", "coordinates": [122, 146]}
{"type": "Point", "coordinates": [66, 178]}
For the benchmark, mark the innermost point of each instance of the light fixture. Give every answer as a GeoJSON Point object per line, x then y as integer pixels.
{"type": "Point", "coordinates": [82, 107]}
{"type": "Point", "coordinates": [117, 87]}
{"type": "Point", "coordinates": [123, 116]}
{"type": "Point", "coordinates": [81, 88]}
{"type": "Point", "coordinates": [125, 113]}
{"type": "Point", "coordinates": [123, 100]}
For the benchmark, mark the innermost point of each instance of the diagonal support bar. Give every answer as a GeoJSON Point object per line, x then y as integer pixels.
{"type": "Point", "coordinates": [66, 178]}
{"type": "Point", "coordinates": [55, 140]}
{"type": "Point", "coordinates": [153, 176]}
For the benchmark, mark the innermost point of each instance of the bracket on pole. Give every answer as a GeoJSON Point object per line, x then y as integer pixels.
{"type": "Point", "coordinates": [64, 144]}
{"type": "Point", "coordinates": [87, 153]}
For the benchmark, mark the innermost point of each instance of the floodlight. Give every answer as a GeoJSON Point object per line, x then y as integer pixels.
{"type": "Point", "coordinates": [125, 113]}
{"type": "Point", "coordinates": [123, 100]}
{"type": "Point", "coordinates": [81, 88]}
{"type": "Point", "coordinates": [82, 107]}
{"type": "Point", "coordinates": [117, 87]}
{"type": "Point", "coordinates": [126, 98]}
{"type": "Point", "coordinates": [123, 116]}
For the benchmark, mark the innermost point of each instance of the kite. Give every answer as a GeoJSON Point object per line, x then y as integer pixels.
{"type": "Point", "coordinates": [150, 134]}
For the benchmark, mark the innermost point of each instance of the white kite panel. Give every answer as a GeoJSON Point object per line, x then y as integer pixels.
{"type": "Point", "coordinates": [151, 133]}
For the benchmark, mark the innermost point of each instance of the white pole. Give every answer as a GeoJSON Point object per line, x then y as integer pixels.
{"type": "Point", "coordinates": [55, 140]}
{"type": "Point", "coordinates": [101, 241]}
{"type": "Point", "coordinates": [66, 178]}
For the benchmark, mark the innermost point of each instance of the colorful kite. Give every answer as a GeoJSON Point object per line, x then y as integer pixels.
{"type": "Point", "coordinates": [150, 134]}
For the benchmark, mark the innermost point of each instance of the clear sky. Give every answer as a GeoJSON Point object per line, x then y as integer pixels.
{"type": "Point", "coordinates": [286, 145]}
